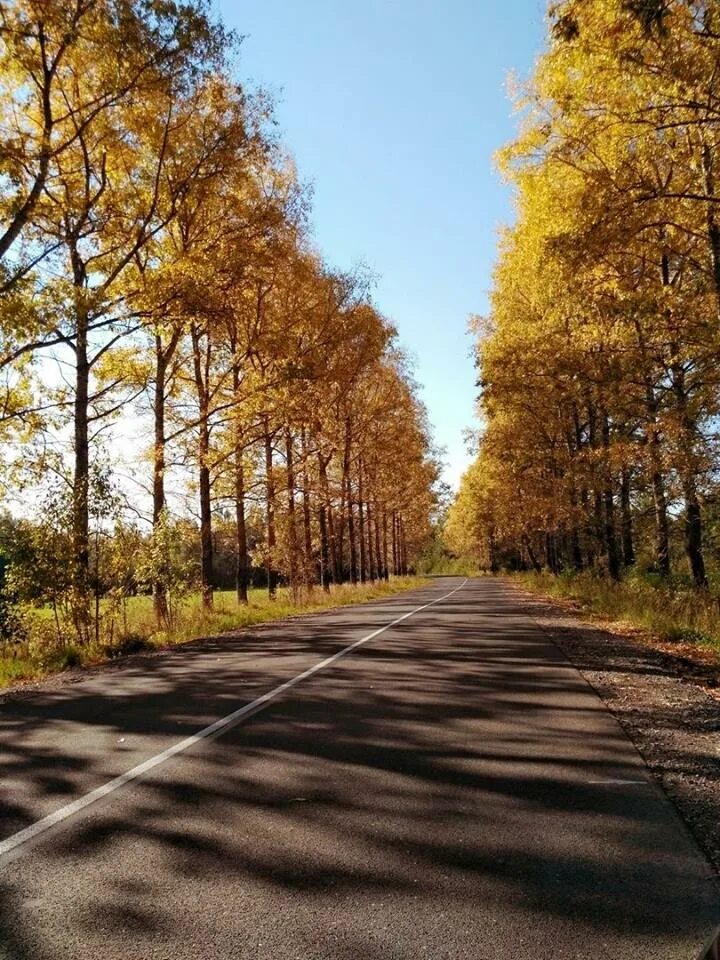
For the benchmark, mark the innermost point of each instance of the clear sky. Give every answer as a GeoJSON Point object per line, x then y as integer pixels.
{"type": "Point", "coordinates": [393, 110]}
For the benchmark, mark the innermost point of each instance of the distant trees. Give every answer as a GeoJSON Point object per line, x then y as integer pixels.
{"type": "Point", "coordinates": [153, 243]}
{"type": "Point", "coordinates": [598, 366]}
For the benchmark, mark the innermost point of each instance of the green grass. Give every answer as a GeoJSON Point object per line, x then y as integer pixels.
{"type": "Point", "coordinates": [40, 655]}
{"type": "Point", "coordinates": [13, 669]}
{"type": "Point", "coordinates": [674, 612]}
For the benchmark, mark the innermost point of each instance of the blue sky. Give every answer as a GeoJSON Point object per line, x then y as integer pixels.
{"type": "Point", "coordinates": [393, 110]}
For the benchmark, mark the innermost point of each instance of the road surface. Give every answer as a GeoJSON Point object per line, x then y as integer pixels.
{"type": "Point", "coordinates": [450, 788]}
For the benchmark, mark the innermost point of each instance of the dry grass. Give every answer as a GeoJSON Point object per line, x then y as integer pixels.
{"type": "Point", "coordinates": [673, 612]}
{"type": "Point", "coordinates": [40, 655]}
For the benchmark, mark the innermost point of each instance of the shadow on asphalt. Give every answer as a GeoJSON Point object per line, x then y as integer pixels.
{"type": "Point", "coordinates": [426, 765]}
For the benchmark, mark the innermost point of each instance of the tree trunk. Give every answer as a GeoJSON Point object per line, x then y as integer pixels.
{"type": "Point", "coordinates": [626, 524]}
{"type": "Point", "coordinates": [610, 537]}
{"type": "Point", "coordinates": [361, 521]}
{"type": "Point", "coordinates": [402, 547]}
{"type": "Point", "coordinates": [576, 557]}
{"type": "Point", "coordinates": [657, 481]}
{"type": "Point", "coordinates": [329, 564]}
{"type": "Point", "coordinates": [270, 513]}
{"type": "Point", "coordinates": [378, 554]}
{"type": "Point", "coordinates": [688, 472]}
{"type": "Point", "coordinates": [336, 551]}
{"type": "Point", "coordinates": [339, 522]}
{"type": "Point", "coordinates": [159, 586]}
{"type": "Point", "coordinates": [307, 529]}
{"type": "Point", "coordinates": [351, 537]}
{"type": "Point", "coordinates": [349, 502]}
{"type": "Point", "coordinates": [292, 529]}
{"type": "Point", "coordinates": [551, 553]}
{"type": "Point", "coordinates": [81, 482]}
{"type": "Point", "coordinates": [201, 364]}
{"type": "Point", "coordinates": [206, 540]}
{"type": "Point", "coordinates": [163, 356]}
{"type": "Point", "coordinates": [598, 520]}
{"type": "Point", "coordinates": [386, 559]}
{"type": "Point", "coordinates": [531, 554]}
{"type": "Point", "coordinates": [394, 545]}
{"type": "Point", "coordinates": [370, 552]}
{"type": "Point", "coordinates": [712, 222]}
{"type": "Point", "coordinates": [662, 532]}
{"type": "Point", "coordinates": [242, 561]}
{"type": "Point", "coordinates": [325, 575]}
{"type": "Point", "coordinates": [693, 532]}
{"type": "Point", "coordinates": [609, 503]}
{"type": "Point", "coordinates": [492, 551]}
{"type": "Point", "coordinates": [584, 497]}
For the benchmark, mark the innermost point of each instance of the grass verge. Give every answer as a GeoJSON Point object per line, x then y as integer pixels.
{"type": "Point", "coordinates": [673, 613]}
{"type": "Point", "coordinates": [37, 657]}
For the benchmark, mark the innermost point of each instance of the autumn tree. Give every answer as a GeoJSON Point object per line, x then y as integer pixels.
{"type": "Point", "coordinates": [597, 373]}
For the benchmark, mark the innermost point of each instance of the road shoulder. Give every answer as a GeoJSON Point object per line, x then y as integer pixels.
{"type": "Point", "coordinates": [673, 719]}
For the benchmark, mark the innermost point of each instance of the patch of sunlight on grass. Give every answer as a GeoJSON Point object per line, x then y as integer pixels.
{"type": "Point", "coordinates": [674, 612]}
{"type": "Point", "coordinates": [136, 629]}
{"type": "Point", "coordinates": [13, 669]}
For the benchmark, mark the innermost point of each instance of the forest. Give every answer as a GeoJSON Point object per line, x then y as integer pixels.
{"type": "Point", "coordinates": [598, 362]}
{"type": "Point", "coordinates": [161, 294]}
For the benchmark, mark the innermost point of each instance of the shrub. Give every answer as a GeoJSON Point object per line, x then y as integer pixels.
{"type": "Point", "coordinates": [125, 644]}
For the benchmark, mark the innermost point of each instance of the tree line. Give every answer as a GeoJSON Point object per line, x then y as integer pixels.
{"type": "Point", "coordinates": [598, 365]}
{"type": "Point", "coordinates": [156, 268]}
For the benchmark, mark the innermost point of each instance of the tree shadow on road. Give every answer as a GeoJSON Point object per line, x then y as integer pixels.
{"type": "Point", "coordinates": [455, 770]}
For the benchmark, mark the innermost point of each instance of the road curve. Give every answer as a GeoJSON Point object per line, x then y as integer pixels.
{"type": "Point", "coordinates": [452, 788]}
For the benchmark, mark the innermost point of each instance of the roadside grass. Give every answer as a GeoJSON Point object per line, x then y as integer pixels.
{"type": "Point", "coordinates": [40, 655]}
{"type": "Point", "coordinates": [673, 612]}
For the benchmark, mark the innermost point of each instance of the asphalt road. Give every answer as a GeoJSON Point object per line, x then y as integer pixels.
{"type": "Point", "coordinates": [450, 789]}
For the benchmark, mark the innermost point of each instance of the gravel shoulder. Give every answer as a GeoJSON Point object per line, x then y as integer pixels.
{"type": "Point", "coordinates": [668, 704]}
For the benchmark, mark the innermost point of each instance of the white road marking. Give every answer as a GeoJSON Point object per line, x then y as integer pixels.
{"type": "Point", "coordinates": [224, 723]}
